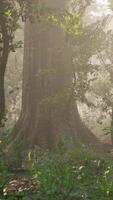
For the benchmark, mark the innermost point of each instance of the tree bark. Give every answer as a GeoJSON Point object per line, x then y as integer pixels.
{"type": "Point", "coordinates": [47, 80]}
{"type": "Point", "coordinates": [3, 63]}
{"type": "Point", "coordinates": [2, 98]}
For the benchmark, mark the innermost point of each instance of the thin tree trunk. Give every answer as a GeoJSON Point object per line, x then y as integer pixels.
{"type": "Point", "coordinates": [3, 63]}
{"type": "Point", "coordinates": [112, 126]}
{"type": "Point", "coordinates": [2, 98]}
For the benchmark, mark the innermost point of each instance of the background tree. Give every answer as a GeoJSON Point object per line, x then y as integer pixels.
{"type": "Point", "coordinates": [8, 25]}
{"type": "Point", "coordinates": [102, 86]}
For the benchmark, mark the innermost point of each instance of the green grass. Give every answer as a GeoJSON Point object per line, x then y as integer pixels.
{"type": "Point", "coordinates": [71, 175]}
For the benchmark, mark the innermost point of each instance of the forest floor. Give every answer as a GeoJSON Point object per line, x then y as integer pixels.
{"type": "Point", "coordinates": [78, 174]}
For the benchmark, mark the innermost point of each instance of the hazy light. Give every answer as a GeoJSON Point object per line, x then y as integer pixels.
{"type": "Point", "coordinates": [97, 10]}
{"type": "Point", "coordinates": [101, 8]}
{"type": "Point", "coordinates": [102, 2]}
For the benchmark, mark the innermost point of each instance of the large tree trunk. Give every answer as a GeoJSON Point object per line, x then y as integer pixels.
{"type": "Point", "coordinates": [47, 82]}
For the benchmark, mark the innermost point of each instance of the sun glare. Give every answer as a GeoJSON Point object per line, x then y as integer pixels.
{"type": "Point", "coordinates": [102, 2]}
{"type": "Point", "coordinates": [100, 8]}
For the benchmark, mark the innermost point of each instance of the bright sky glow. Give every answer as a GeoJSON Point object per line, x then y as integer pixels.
{"type": "Point", "coordinates": [102, 2]}
{"type": "Point", "coordinates": [100, 8]}
{"type": "Point", "coordinates": [97, 10]}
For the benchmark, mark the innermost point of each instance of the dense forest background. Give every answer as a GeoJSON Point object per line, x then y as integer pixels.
{"type": "Point", "coordinates": [56, 99]}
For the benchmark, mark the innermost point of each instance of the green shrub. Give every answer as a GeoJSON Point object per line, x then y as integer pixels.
{"type": "Point", "coordinates": [73, 175]}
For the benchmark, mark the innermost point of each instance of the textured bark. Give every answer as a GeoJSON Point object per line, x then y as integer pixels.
{"type": "Point", "coordinates": [47, 79]}
{"type": "Point", "coordinates": [3, 63]}
{"type": "Point", "coordinates": [2, 98]}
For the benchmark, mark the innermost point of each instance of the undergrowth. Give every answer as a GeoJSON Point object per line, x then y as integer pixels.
{"type": "Point", "coordinates": [68, 175]}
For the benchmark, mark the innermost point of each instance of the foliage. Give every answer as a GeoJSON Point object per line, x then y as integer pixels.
{"type": "Point", "coordinates": [9, 16]}
{"type": "Point", "coordinates": [101, 86]}
{"type": "Point", "coordinates": [74, 175]}
{"type": "Point", "coordinates": [66, 174]}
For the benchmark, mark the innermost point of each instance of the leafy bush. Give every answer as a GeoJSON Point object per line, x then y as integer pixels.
{"type": "Point", "coordinates": [73, 176]}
